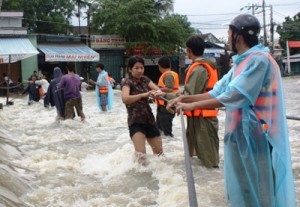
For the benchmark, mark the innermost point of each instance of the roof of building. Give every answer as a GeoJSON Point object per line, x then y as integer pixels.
{"type": "Point", "coordinates": [11, 14]}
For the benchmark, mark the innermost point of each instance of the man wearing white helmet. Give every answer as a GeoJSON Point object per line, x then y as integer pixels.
{"type": "Point", "coordinates": [257, 160]}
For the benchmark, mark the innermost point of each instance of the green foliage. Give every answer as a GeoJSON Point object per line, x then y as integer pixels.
{"type": "Point", "coordinates": [290, 31]}
{"type": "Point", "coordinates": [43, 16]}
{"type": "Point", "coordinates": [146, 22]}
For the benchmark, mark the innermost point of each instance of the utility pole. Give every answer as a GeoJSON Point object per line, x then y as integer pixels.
{"type": "Point", "coordinates": [264, 23]}
{"type": "Point", "coordinates": [78, 15]}
{"type": "Point", "coordinates": [271, 30]}
{"type": "Point", "coordinates": [253, 9]}
{"type": "Point", "coordinates": [89, 39]}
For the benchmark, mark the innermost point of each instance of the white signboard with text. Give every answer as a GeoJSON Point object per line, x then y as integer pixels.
{"type": "Point", "coordinates": [107, 41]}
{"type": "Point", "coordinates": [71, 57]}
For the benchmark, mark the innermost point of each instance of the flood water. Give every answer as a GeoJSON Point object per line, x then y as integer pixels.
{"type": "Point", "coordinates": [46, 163]}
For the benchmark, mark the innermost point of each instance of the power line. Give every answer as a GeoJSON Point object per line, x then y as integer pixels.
{"type": "Point", "coordinates": [288, 4]}
{"type": "Point", "coordinates": [200, 15]}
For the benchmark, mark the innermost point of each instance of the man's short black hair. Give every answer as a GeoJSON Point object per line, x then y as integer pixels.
{"type": "Point", "coordinates": [196, 44]}
{"type": "Point", "coordinates": [71, 67]}
{"type": "Point", "coordinates": [164, 62]}
{"type": "Point", "coordinates": [100, 65]}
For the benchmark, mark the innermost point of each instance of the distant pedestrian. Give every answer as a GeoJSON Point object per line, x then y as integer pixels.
{"type": "Point", "coordinates": [70, 84]}
{"type": "Point", "coordinates": [84, 85]}
{"type": "Point", "coordinates": [136, 90]}
{"type": "Point", "coordinates": [112, 81]}
{"type": "Point", "coordinates": [8, 82]}
{"type": "Point", "coordinates": [44, 84]}
{"type": "Point", "coordinates": [54, 96]}
{"type": "Point", "coordinates": [33, 90]}
{"type": "Point", "coordinates": [104, 91]}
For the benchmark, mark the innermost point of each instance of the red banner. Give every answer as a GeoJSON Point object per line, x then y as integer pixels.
{"type": "Point", "coordinates": [294, 44]}
{"type": "Point", "coordinates": [140, 51]}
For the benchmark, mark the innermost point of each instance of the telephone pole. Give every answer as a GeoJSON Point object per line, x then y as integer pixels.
{"type": "Point", "coordinates": [264, 23]}
{"type": "Point", "coordinates": [253, 9]}
{"type": "Point", "coordinates": [271, 30]}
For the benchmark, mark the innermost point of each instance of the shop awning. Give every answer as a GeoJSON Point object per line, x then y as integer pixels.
{"type": "Point", "coordinates": [15, 49]}
{"type": "Point", "coordinates": [65, 52]}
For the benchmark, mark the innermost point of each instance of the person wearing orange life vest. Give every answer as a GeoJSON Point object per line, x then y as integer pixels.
{"type": "Point", "coordinates": [104, 91]}
{"type": "Point", "coordinates": [168, 83]}
{"type": "Point", "coordinates": [257, 159]}
{"type": "Point", "coordinates": [202, 125]}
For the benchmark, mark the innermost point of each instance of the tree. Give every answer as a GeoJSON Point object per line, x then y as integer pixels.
{"type": "Point", "coordinates": [44, 16]}
{"type": "Point", "coordinates": [290, 31]}
{"type": "Point", "coordinates": [143, 22]}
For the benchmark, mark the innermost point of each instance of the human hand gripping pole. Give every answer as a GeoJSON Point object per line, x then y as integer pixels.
{"type": "Point", "coordinates": [188, 166]}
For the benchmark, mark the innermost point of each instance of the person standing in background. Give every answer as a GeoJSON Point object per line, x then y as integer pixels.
{"type": "Point", "coordinates": [112, 81]}
{"type": "Point", "coordinates": [104, 91]}
{"type": "Point", "coordinates": [33, 90]}
{"type": "Point", "coordinates": [8, 82]}
{"type": "Point", "coordinates": [168, 83]}
{"type": "Point", "coordinates": [55, 97]}
{"type": "Point", "coordinates": [83, 86]}
{"type": "Point", "coordinates": [44, 84]}
{"type": "Point", "coordinates": [70, 83]}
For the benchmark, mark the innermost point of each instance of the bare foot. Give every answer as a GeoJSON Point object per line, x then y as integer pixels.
{"type": "Point", "coordinates": [141, 158]}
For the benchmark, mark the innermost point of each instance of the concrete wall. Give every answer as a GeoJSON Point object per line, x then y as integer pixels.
{"type": "Point", "coordinates": [30, 64]}
{"type": "Point", "coordinates": [11, 19]}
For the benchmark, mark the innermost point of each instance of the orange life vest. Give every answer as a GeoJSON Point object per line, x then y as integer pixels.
{"type": "Point", "coordinates": [103, 88]}
{"type": "Point", "coordinates": [161, 84]}
{"type": "Point", "coordinates": [265, 97]}
{"type": "Point", "coordinates": [213, 78]}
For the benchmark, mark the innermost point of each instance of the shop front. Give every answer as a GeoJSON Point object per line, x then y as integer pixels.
{"type": "Point", "coordinates": [60, 53]}
{"type": "Point", "coordinates": [13, 52]}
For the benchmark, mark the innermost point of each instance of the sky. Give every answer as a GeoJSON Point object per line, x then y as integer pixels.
{"type": "Point", "coordinates": [213, 16]}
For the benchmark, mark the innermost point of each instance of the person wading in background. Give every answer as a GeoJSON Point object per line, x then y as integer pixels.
{"type": "Point", "coordinates": [33, 90]}
{"type": "Point", "coordinates": [104, 91]}
{"type": "Point", "coordinates": [70, 83]}
{"type": "Point", "coordinates": [56, 97]}
{"type": "Point", "coordinates": [168, 83]}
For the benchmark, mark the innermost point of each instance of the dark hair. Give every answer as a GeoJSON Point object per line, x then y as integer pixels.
{"type": "Point", "coordinates": [232, 54]}
{"type": "Point", "coordinates": [133, 60]}
{"type": "Point", "coordinates": [250, 40]}
{"type": "Point", "coordinates": [164, 62]}
{"type": "Point", "coordinates": [71, 67]}
{"type": "Point", "coordinates": [100, 65]}
{"type": "Point", "coordinates": [196, 44]}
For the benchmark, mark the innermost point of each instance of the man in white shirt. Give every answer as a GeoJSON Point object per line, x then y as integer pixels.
{"type": "Point", "coordinates": [44, 85]}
